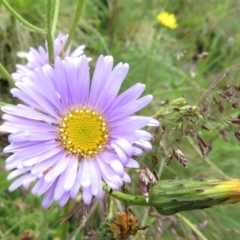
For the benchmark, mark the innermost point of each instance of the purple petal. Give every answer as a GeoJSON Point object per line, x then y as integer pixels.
{"type": "Point", "coordinates": [45, 165]}
{"type": "Point", "coordinates": [87, 195]}
{"type": "Point", "coordinates": [85, 173]}
{"type": "Point", "coordinates": [117, 167]}
{"type": "Point", "coordinates": [132, 163]}
{"type": "Point", "coordinates": [41, 187]}
{"type": "Point", "coordinates": [95, 177]}
{"type": "Point", "coordinates": [48, 198]}
{"type": "Point", "coordinates": [103, 69]}
{"type": "Point", "coordinates": [59, 190]}
{"type": "Point", "coordinates": [71, 74]}
{"type": "Point", "coordinates": [15, 147]}
{"type": "Point", "coordinates": [83, 83]}
{"type": "Point", "coordinates": [108, 157]}
{"type": "Point", "coordinates": [109, 176]}
{"type": "Point", "coordinates": [53, 152]}
{"type": "Point", "coordinates": [16, 173]}
{"type": "Point", "coordinates": [153, 122]}
{"type": "Point", "coordinates": [130, 123]}
{"type": "Point", "coordinates": [126, 178]}
{"type": "Point", "coordinates": [129, 108]}
{"type": "Point", "coordinates": [27, 112]}
{"type": "Point", "coordinates": [31, 136]}
{"type": "Point", "coordinates": [144, 135]}
{"type": "Point", "coordinates": [57, 169]}
{"type": "Point", "coordinates": [128, 135]}
{"type": "Point", "coordinates": [137, 151]}
{"type": "Point", "coordinates": [20, 123]}
{"type": "Point", "coordinates": [126, 97]}
{"type": "Point", "coordinates": [61, 83]}
{"type": "Point", "coordinates": [144, 144]}
{"type": "Point", "coordinates": [30, 95]}
{"type": "Point", "coordinates": [29, 179]}
{"type": "Point", "coordinates": [17, 183]}
{"type": "Point", "coordinates": [32, 151]}
{"type": "Point", "coordinates": [114, 82]}
{"type": "Point", "coordinates": [78, 51]}
{"type": "Point", "coordinates": [63, 200]}
{"type": "Point", "coordinates": [125, 146]}
{"type": "Point", "coordinates": [121, 154]}
{"type": "Point", "coordinates": [71, 173]}
{"type": "Point", "coordinates": [75, 189]}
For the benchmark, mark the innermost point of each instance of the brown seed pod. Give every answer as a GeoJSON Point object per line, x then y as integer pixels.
{"type": "Point", "coordinates": [220, 106]}
{"type": "Point", "coordinates": [169, 159]}
{"type": "Point", "coordinates": [237, 135]}
{"type": "Point", "coordinates": [146, 179]}
{"type": "Point", "coordinates": [235, 121]}
{"type": "Point", "coordinates": [236, 104]}
{"type": "Point", "coordinates": [201, 147]}
{"type": "Point", "coordinates": [224, 134]}
{"type": "Point", "coordinates": [200, 139]}
{"type": "Point", "coordinates": [205, 128]}
{"type": "Point", "coordinates": [178, 154]}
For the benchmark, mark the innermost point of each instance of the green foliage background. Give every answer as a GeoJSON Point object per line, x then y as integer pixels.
{"type": "Point", "coordinates": [162, 59]}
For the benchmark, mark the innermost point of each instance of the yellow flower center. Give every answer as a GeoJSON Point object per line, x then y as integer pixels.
{"type": "Point", "coordinates": [83, 132]}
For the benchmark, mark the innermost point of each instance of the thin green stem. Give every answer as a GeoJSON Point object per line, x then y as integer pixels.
{"type": "Point", "coordinates": [127, 198]}
{"type": "Point", "coordinates": [66, 224]}
{"type": "Point", "coordinates": [49, 32]}
{"type": "Point", "coordinates": [55, 17]}
{"type": "Point", "coordinates": [111, 208]}
{"type": "Point", "coordinates": [6, 74]}
{"type": "Point", "coordinates": [195, 230]}
{"type": "Point", "coordinates": [2, 104]}
{"type": "Point", "coordinates": [21, 19]}
{"type": "Point", "coordinates": [74, 25]}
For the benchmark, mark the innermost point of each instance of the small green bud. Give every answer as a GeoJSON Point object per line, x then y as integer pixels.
{"type": "Point", "coordinates": [179, 102]}
{"type": "Point", "coordinates": [177, 110]}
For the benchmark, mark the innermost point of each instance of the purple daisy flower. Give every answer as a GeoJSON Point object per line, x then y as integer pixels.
{"type": "Point", "coordinates": [71, 134]}
{"type": "Point", "coordinates": [37, 58]}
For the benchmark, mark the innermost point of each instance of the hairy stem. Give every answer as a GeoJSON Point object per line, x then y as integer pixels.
{"type": "Point", "coordinates": [74, 25]}
{"type": "Point", "coordinates": [49, 32]}
{"type": "Point", "coordinates": [21, 19]}
{"type": "Point", "coordinates": [55, 17]}
{"type": "Point", "coordinates": [6, 74]}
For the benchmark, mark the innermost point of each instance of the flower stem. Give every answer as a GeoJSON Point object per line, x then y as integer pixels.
{"type": "Point", "coordinates": [2, 104]}
{"type": "Point", "coordinates": [111, 206]}
{"type": "Point", "coordinates": [6, 74]}
{"type": "Point", "coordinates": [55, 17]}
{"type": "Point", "coordinates": [74, 25]}
{"type": "Point", "coordinates": [49, 32]}
{"type": "Point", "coordinates": [65, 224]}
{"type": "Point", "coordinates": [195, 230]}
{"type": "Point", "coordinates": [21, 19]}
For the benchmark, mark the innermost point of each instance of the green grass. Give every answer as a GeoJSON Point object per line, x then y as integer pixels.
{"type": "Point", "coordinates": [130, 32]}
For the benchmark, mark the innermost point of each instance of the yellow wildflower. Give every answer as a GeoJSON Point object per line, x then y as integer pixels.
{"type": "Point", "coordinates": [167, 19]}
